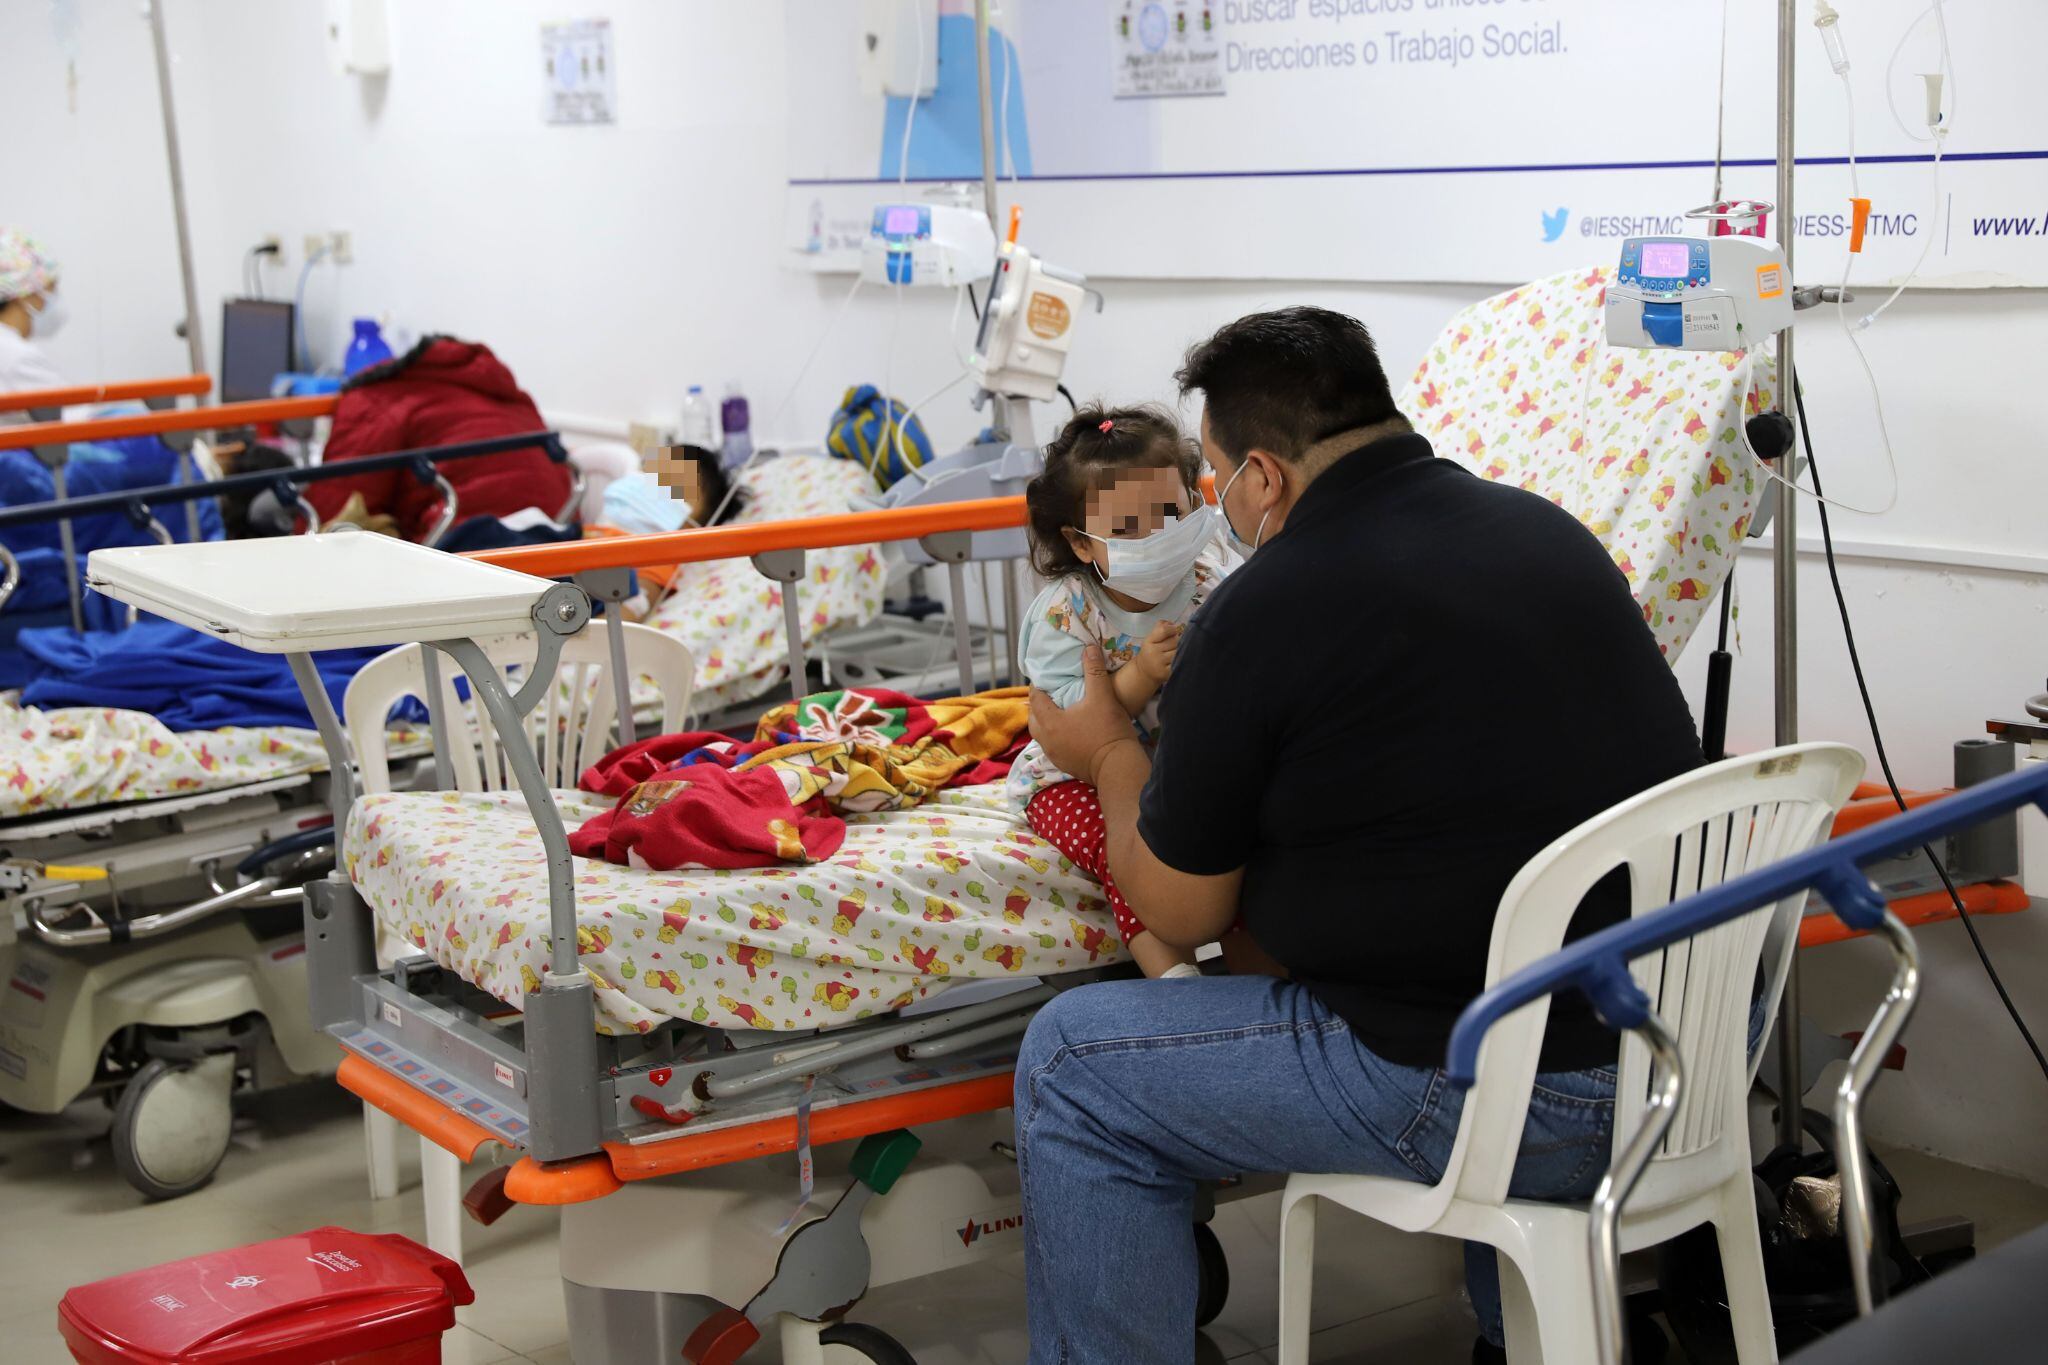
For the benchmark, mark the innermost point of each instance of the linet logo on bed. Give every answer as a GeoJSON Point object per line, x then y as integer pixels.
{"type": "Point", "coordinates": [994, 1223]}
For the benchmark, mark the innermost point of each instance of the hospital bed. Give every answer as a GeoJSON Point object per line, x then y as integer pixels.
{"type": "Point", "coordinates": [1645, 447]}
{"type": "Point", "coordinates": [610, 1024]}
{"type": "Point", "coordinates": [179, 824]}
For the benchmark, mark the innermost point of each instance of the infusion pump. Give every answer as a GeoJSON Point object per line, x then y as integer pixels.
{"type": "Point", "coordinates": [935, 244]}
{"type": "Point", "coordinates": [1028, 326]}
{"type": "Point", "coordinates": [1698, 293]}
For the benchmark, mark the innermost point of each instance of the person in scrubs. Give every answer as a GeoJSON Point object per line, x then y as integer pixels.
{"type": "Point", "coordinates": [31, 312]}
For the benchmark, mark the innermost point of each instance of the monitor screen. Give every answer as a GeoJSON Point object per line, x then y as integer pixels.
{"type": "Point", "coordinates": [900, 221]}
{"type": "Point", "coordinates": [255, 347]}
{"type": "Point", "coordinates": [1665, 260]}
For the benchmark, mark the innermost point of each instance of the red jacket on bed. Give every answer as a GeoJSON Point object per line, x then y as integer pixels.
{"type": "Point", "coordinates": [441, 392]}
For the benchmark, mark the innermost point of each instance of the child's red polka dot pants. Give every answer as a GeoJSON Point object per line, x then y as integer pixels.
{"type": "Point", "coordinates": [1070, 819]}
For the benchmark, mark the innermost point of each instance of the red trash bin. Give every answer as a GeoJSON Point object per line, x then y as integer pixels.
{"type": "Point", "coordinates": [320, 1298]}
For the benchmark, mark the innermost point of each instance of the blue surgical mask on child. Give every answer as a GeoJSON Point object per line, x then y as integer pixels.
{"type": "Point", "coordinates": [1150, 569]}
{"type": "Point", "coordinates": [1236, 539]}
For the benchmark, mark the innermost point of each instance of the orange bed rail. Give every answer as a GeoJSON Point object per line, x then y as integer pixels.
{"type": "Point", "coordinates": [738, 542]}
{"type": "Point", "coordinates": [171, 386]}
{"type": "Point", "coordinates": [1872, 802]}
{"type": "Point", "coordinates": [424, 1115]}
{"type": "Point", "coordinates": [593, 1177]}
{"type": "Point", "coordinates": [601, 1173]}
{"type": "Point", "coordinates": [1979, 898]}
{"type": "Point", "coordinates": [703, 544]}
{"type": "Point", "coordinates": [172, 419]}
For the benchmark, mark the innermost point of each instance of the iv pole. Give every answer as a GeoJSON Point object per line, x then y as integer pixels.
{"type": "Point", "coordinates": [195, 341]}
{"type": "Point", "coordinates": [1012, 596]}
{"type": "Point", "coordinates": [1791, 1084]}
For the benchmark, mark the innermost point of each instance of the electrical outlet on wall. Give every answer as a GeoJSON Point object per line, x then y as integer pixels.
{"type": "Point", "coordinates": [337, 245]}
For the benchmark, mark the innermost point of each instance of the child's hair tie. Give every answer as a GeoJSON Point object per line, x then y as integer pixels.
{"type": "Point", "coordinates": [1107, 423]}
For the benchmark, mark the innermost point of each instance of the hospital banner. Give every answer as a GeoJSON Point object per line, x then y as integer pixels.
{"type": "Point", "coordinates": [1426, 140]}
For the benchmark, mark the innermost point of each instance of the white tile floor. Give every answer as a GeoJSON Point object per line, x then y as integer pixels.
{"type": "Point", "coordinates": [67, 1218]}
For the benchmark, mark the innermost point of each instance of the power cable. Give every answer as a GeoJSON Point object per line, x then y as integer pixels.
{"type": "Point", "coordinates": [1877, 741]}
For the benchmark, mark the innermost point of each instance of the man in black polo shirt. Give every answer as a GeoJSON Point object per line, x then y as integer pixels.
{"type": "Point", "coordinates": [1417, 681]}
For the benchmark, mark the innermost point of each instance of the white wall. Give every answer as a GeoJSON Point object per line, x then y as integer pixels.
{"type": "Point", "coordinates": [84, 171]}
{"type": "Point", "coordinates": [612, 266]}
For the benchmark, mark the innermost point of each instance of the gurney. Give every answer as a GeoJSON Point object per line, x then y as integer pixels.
{"type": "Point", "coordinates": [164, 962]}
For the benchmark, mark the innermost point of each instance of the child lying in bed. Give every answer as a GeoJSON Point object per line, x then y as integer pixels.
{"type": "Point", "coordinates": [1117, 521]}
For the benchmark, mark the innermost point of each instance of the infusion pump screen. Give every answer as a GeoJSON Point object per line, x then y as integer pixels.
{"type": "Point", "coordinates": [1664, 260]}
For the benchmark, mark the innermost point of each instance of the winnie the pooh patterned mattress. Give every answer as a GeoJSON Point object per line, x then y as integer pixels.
{"type": "Point", "coordinates": [914, 901]}
{"type": "Point", "coordinates": [731, 617]}
{"type": "Point", "coordinates": [74, 757]}
{"type": "Point", "coordinates": [1642, 446]}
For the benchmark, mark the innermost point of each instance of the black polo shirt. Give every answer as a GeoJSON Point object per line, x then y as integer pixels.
{"type": "Point", "coordinates": [1419, 683]}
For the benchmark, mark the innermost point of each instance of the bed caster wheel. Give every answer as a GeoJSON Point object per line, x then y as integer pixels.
{"type": "Point", "coordinates": [1213, 1276]}
{"type": "Point", "coordinates": [172, 1124]}
{"type": "Point", "coordinates": [858, 1341]}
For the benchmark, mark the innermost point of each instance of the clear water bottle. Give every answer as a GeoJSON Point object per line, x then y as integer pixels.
{"type": "Point", "coordinates": [698, 425]}
{"type": "Point", "coordinates": [735, 423]}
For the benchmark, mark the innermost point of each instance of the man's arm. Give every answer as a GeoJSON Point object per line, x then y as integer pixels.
{"type": "Point", "coordinates": [1092, 739]}
{"type": "Point", "coordinates": [1180, 908]}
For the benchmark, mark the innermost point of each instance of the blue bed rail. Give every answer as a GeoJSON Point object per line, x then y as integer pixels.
{"type": "Point", "coordinates": [1598, 963]}
{"type": "Point", "coordinates": [285, 483]}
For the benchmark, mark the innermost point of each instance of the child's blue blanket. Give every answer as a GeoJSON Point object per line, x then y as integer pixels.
{"type": "Point", "coordinates": [187, 680]}
{"type": "Point", "coordinates": [109, 467]}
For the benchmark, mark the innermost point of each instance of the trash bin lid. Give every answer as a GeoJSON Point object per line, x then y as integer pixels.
{"type": "Point", "coordinates": [320, 1296]}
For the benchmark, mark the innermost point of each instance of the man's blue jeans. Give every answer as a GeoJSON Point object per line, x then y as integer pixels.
{"type": "Point", "coordinates": [1130, 1092]}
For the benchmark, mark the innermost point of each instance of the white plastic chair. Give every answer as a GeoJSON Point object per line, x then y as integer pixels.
{"type": "Point", "coordinates": [568, 730]}
{"type": "Point", "coordinates": [1690, 833]}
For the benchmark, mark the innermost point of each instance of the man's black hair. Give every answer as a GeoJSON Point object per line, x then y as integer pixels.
{"type": "Point", "coordinates": [1284, 380]}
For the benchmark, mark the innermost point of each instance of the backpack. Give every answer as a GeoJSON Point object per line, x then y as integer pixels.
{"type": "Point", "coordinates": [864, 430]}
{"type": "Point", "coordinates": [1808, 1272]}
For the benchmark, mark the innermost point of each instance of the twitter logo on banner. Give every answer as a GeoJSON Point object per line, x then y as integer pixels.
{"type": "Point", "coordinates": [1553, 225]}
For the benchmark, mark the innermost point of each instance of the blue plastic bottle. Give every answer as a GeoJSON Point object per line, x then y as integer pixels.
{"type": "Point", "coordinates": [367, 348]}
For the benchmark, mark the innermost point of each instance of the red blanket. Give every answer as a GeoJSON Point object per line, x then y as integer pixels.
{"type": "Point", "coordinates": [701, 799]}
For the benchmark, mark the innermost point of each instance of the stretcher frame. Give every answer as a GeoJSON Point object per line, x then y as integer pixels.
{"type": "Point", "coordinates": [1598, 966]}
{"type": "Point", "coordinates": [139, 504]}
